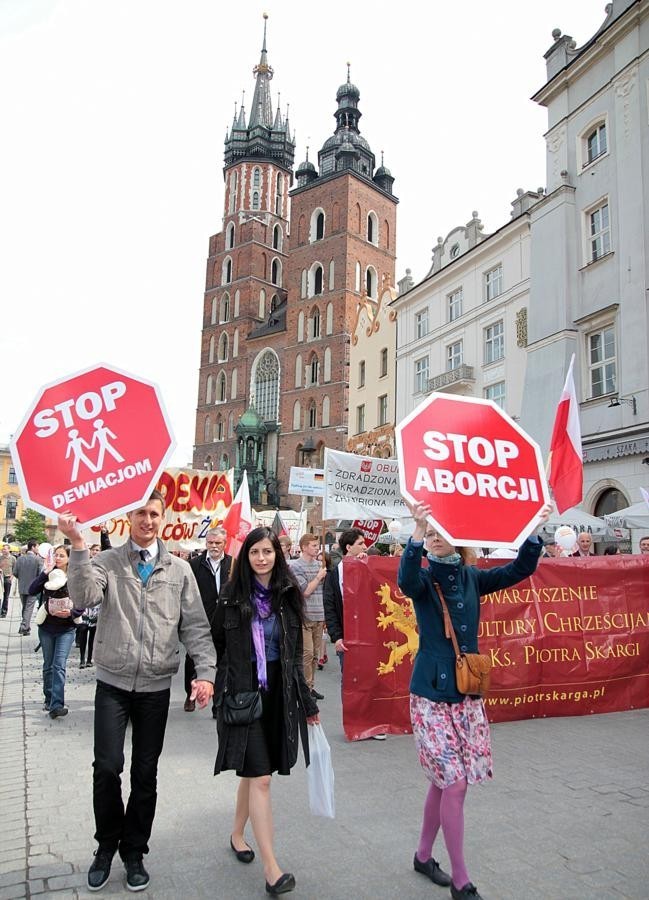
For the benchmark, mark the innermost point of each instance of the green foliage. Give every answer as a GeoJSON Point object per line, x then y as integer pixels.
{"type": "Point", "coordinates": [30, 525]}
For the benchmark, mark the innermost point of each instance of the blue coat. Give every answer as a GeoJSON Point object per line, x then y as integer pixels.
{"type": "Point", "coordinates": [433, 674]}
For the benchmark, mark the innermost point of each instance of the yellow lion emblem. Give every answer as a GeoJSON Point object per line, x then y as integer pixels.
{"type": "Point", "coordinates": [400, 614]}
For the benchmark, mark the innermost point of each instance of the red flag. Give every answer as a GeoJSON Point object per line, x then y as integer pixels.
{"type": "Point", "coordinates": [238, 519]}
{"type": "Point", "coordinates": [566, 464]}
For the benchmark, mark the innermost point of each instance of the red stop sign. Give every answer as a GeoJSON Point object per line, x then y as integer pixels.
{"type": "Point", "coordinates": [481, 474]}
{"type": "Point", "coordinates": [371, 529]}
{"type": "Point", "coordinates": [94, 443]}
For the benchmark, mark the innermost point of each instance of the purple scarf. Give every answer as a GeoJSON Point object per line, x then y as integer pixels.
{"type": "Point", "coordinates": [261, 601]}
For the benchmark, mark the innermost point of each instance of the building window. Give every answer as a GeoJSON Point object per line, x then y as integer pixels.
{"type": "Point", "coordinates": [383, 409]}
{"type": "Point", "coordinates": [421, 375]}
{"type": "Point", "coordinates": [226, 272]}
{"type": "Point", "coordinates": [230, 237]}
{"type": "Point", "coordinates": [454, 356]}
{"type": "Point", "coordinates": [496, 392]}
{"type": "Point", "coordinates": [319, 226]}
{"type": "Point", "coordinates": [361, 373]}
{"type": "Point", "coordinates": [233, 192]}
{"type": "Point", "coordinates": [276, 273]}
{"type": "Point", "coordinates": [313, 370]}
{"type": "Point", "coordinates": [596, 144]}
{"type": "Point", "coordinates": [360, 418]}
{"type": "Point", "coordinates": [256, 177]}
{"type": "Point", "coordinates": [223, 348]}
{"type": "Point", "coordinates": [12, 476]}
{"type": "Point", "coordinates": [255, 199]}
{"type": "Point", "coordinates": [325, 411]}
{"type": "Point", "coordinates": [599, 232]}
{"type": "Point", "coordinates": [601, 361]}
{"type": "Point", "coordinates": [371, 282]}
{"type": "Point", "coordinates": [313, 415]}
{"type": "Point", "coordinates": [315, 324]}
{"type": "Point", "coordinates": [297, 415]}
{"type": "Point", "coordinates": [207, 429]}
{"type": "Point", "coordinates": [317, 280]}
{"type": "Point", "coordinates": [221, 388]}
{"type": "Point", "coordinates": [383, 364]}
{"type": "Point", "coordinates": [455, 304]}
{"type": "Point", "coordinates": [493, 283]}
{"type": "Point", "coordinates": [373, 229]}
{"type": "Point", "coordinates": [224, 312]}
{"type": "Point", "coordinates": [421, 323]}
{"type": "Point", "coordinates": [494, 342]}
{"type": "Point", "coordinates": [277, 238]}
{"type": "Point", "coordinates": [266, 386]}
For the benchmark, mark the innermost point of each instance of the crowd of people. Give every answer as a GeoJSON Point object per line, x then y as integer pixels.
{"type": "Point", "coordinates": [253, 632]}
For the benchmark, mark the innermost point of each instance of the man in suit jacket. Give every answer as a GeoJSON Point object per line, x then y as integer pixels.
{"type": "Point", "coordinates": [211, 569]}
{"type": "Point", "coordinates": [584, 545]}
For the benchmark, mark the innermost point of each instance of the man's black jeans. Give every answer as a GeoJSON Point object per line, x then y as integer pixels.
{"type": "Point", "coordinates": [127, 831]}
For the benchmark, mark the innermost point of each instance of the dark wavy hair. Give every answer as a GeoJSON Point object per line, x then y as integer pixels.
{"type": "Point", "coordinates": [242, 578]}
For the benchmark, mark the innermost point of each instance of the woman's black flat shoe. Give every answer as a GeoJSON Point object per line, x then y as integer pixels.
{"type": "Point", "coordinates": [244, 856]}
{"type": "Point", "coordinates": [283, 885]}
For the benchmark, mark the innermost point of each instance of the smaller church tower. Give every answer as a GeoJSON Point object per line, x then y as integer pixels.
{"type": "Point", "coordinates": [245, 293]}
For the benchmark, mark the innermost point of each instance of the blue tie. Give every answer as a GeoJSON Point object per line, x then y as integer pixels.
{"type": "Point", "coordinates": [145, 566]}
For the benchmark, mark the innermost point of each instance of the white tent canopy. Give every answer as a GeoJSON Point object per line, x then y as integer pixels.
{"type": "Point", "coordinates": [579, 520]}
{"type": "Point", "coordinates": [635, 516]}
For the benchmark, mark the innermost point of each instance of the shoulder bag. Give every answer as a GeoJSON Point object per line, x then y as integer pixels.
{"type": "Point", "coordinates": [472, 670]}
{"type": "Point", "coordinates": [242, 708]}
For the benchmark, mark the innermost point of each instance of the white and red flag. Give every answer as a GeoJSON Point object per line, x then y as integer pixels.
{"type": "Point", "coordinates": [566, 463]}
{"type": "Point", "coordinates": [238, 519]}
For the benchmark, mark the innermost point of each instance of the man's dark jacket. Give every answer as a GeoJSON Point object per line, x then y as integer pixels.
{"type": "Point", "coordinates": [207, 582]}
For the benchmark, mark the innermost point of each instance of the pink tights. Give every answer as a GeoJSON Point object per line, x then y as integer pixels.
{"type": "Point", "coordinates": [445, 807]}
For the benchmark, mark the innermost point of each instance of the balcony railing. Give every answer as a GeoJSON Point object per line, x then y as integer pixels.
{"type": "Point", "coordinates": [460, 375]}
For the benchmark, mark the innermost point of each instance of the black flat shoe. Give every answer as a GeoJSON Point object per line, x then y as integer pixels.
{"type": "Point", "coordinates": [468, 892]}
{"type": "Point", "coordinates": [244, 856]}
{"type": "Point", "coordinates": [432, 870]}
{"type": "Point", "coordinates": [283, 885]}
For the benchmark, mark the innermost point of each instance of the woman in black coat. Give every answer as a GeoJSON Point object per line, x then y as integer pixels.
{"type": "Point", "coordinates": [258, 638]}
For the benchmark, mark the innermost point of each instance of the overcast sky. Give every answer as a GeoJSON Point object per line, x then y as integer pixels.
{"type": "Point", "coordinates": [114, 114]}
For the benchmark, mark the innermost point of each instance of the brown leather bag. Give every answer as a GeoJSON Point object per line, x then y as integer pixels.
{"type": "Point", "coordinates": [472, 670]}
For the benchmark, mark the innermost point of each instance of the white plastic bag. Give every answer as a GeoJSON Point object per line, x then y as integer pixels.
{"type": "Point", "coordinates": [320, 774]}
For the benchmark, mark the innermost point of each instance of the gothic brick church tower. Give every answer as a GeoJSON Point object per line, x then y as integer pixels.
{"type": "Point", "coordinates": [284, 280]}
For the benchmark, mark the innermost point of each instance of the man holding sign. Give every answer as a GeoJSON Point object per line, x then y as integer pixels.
{"type": "Point", "coordinates": [150, 600]}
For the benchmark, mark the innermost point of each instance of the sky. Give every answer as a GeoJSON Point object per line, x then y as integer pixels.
{"type": "Point", "coordinates": [114, 114]}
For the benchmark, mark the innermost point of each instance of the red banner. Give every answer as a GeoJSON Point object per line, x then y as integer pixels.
{"type": "Point", "coordinates": [571, 640]}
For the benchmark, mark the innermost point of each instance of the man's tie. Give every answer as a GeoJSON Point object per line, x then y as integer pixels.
{"type": "Point", "coordinates": [145, 566]}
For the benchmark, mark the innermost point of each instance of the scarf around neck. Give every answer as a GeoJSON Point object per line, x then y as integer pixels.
{"type": "Point", "coordinates": [453, 559]}
{"type": "Point", "coordinates": [261, 603]}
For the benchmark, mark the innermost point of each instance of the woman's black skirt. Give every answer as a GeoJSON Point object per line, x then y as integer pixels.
{"type": "Point", "coordinates": [266, 750]}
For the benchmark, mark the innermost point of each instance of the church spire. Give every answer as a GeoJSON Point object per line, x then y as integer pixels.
{"type": "Point", "coordinates": [261, 112]}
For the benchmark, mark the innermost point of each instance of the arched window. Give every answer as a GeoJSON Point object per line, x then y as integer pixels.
{"type": "Point", "coordinates": [279, 191]}
{"type": "Point", "coordinates": [235, 343]}
{"type": "Point", "coordinates": [313, 415]}
{"type": "Point", "coordinates": [262, 304]}
{"type": "Point", "coordinates": [221, 388]}
{"type": "Point", "coordinates": [331, 274]}
{"type": "Point", "coordinates": [274, 302]}
{"type": "Point", "coordinates": [234, 385]}
{"type": "Point", "coordinates": [372, 228]}
{"type": "Point", "coordinates": [329, 327]}
{"type": "Point", "coordinates": [276, 272]}
{"type": "Point", "coordinates": [233, 192]}
{"type": "Point", "coordinates": [214, 308]}
{"type": "Point", "coordinates": [303, 283]}
{"type": "Point", "coordinates": [357, 279]}
{"type": "Point", "coordinates": [206, 429]}
{"type": "Point", "coordinates": [256, 177]}
{"type": "Point", "coordinates": [224, 312]}
{"type": "Point", "coordinates": [325, 411]}
{"type": "Point", "coordinates": [314, 324]}
{"type": "Point", "coordinates": [218, 429]}
{"type": "Point", "coordinates": [317, 228]}
{"type": "Point", "coordinates": [265, 386]}
{"type": "Point", "coordinates": [314, 280]}
{"type": "Point", "coordinates": [231, 425]}
{"type": "Point", "coordinates": [210, 357]}
{"type": "Point", "coordinates": [229, 236]}
{"type": "Point", "coordinates": [226, 271]}
{"type": "Point", "coordinates": [277, 237]}
{"type": "Point", "coordinates": [209, 388]}
{"type": "Point", "coordinates": [208, 465]}
{"type": "Point", "coordinates": [255, 199]}
{"type": "Point", "coordinates": [313, 370]}
{"type": "Point", "coordinates": [326, 369]}
{"type": "Point", "coordinates": [224, 465]}
{"type": "Point", "coordinates": [300, 326]}
{"type": "Point", "coordinates": [297, 415]}
{"type": "Point", "coordinates": [610, 501]}
{"type": "Point", "coordinates": [223, 347]}
{"type": "Point", "coordinates": [371, 282]}
{"type": "Point", "coordinates": [237, 300]}
{"type": "Point", "coordinates": [298, 370]}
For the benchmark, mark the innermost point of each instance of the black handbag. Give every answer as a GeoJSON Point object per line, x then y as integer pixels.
{"type": "Point", "coordinates": [242, 708]}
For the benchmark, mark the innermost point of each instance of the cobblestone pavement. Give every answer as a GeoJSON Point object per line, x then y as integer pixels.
{"type": "Point", "coordinates": [566, 816]}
